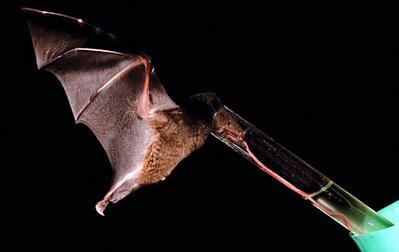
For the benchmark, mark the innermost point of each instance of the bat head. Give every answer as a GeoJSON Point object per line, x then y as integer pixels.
{"type": "Point", "coordinates": [223, 121]}
{"type": "Point", "coordinates": [203, 106]}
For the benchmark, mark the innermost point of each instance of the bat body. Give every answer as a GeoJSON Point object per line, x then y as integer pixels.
{"type": "Point", "coordinates": [118, 95]}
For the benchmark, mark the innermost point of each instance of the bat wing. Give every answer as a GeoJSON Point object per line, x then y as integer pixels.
{"type": "Point", "coordinates": [104, 85]}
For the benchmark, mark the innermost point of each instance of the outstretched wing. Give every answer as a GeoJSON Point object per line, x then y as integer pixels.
{"type": "Point", "coordinates": [103, 84]}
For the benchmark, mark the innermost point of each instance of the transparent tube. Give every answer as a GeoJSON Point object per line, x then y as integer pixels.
{"type": "Point", "coordinates": [300, 177]}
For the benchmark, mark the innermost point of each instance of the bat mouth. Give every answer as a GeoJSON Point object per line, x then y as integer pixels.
{"type": "Point", "coordinates": [226, 125]}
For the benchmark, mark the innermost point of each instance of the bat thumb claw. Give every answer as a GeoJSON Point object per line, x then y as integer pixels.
{"type": "Point", "coordinates": [100, 206]}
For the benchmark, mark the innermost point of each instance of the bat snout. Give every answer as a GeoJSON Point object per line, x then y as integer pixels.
{"type": "Point", "coordinates": [226, 123]}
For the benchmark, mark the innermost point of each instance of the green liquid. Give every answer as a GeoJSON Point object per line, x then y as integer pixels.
{"type": "Point", "coordinates": [358, 217]}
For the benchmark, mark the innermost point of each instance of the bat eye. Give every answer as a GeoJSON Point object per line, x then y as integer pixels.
{"type": "Point", "coordinates": [215, 104]}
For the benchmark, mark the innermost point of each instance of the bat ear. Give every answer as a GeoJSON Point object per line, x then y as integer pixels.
{"type": "Point", "coordinates": [207, 103]}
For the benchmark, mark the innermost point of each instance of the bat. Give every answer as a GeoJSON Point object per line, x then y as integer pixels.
{"type": "Point", "coordinates": [117, 94]}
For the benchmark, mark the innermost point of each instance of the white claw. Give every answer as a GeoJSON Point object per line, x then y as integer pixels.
{"type": "Point", "coordinates": [100, 207]}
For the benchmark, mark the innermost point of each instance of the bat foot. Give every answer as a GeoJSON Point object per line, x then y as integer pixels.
{"type": "Point", "coordinates": [116, 193]}
{"type": "Point", "coordinates": [100, 206]}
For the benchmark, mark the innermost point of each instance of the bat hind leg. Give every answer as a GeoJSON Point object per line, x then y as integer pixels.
{"type": "Point", "coordinates": [116, 193]}
{"type": "Point", "coordinates": [101, 205]}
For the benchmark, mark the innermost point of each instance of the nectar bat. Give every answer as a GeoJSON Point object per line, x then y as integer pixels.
{"type": "Point", "coordinates": [118, 95]}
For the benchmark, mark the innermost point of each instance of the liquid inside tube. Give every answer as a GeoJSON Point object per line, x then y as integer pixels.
{"type": "Point", "coordinates": [297, 175]}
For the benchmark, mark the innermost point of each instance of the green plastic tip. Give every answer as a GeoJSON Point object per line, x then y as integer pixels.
{"type": "Point", "coordinates": [383, 240]}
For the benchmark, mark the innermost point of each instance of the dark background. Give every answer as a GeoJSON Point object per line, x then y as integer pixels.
{"type": "Point", "coordinates": [319, 78]}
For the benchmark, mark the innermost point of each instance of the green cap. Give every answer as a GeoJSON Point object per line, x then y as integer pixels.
{"type": "Point", "coordinates": [382, 240]}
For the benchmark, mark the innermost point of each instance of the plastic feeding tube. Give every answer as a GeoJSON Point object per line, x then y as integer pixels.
{"type": "Point", "coordinates": [297, 175]}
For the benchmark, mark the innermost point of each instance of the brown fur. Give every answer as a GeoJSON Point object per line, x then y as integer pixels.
{"type": "Point", "coordinates": [176, 137]}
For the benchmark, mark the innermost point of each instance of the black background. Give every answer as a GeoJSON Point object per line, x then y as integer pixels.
{"type": "Point", "coordinates": [319, 78]}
